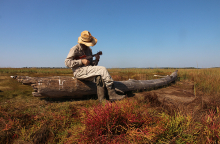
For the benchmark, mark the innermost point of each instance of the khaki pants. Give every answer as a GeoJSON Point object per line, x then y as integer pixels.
{"type": "Point", "coordinates": [90, 72]}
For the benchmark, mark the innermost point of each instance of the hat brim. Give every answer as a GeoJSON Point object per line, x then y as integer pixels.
{"type": "Point", "coordinates": [91, 43]}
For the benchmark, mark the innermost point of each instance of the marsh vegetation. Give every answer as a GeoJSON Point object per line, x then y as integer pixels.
{"type": "Point", "coordinates": [139, 118]}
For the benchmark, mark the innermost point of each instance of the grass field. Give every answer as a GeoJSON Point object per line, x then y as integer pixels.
{"type": "Point", "coordinates": [27, 119]}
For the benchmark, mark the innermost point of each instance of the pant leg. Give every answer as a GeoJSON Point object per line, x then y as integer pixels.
{"type": "Point", "coordinates": [90, 72]}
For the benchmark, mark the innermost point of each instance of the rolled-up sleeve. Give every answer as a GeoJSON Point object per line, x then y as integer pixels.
{"type": "Point", "coordinates": [70, 60]}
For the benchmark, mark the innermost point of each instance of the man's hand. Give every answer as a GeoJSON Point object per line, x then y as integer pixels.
{"type": "Point", "coordinates": [85, 62]}
{"type": "Point", "coordinates": [97, 57]}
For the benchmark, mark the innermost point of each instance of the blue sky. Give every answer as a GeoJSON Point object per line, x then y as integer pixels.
{"type": "Point", "coordinates": [130, 33]}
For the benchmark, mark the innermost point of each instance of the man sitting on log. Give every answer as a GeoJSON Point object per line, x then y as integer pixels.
{"type": "Point", "coordinates": [84, 67]}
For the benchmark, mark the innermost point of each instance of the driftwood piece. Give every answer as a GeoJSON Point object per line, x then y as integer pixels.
{"type": "Point", "coordinates": [63, 86]}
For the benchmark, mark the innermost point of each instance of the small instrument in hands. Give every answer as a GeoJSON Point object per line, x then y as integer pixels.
{"type": "Point", "coordinates": [88, 57]}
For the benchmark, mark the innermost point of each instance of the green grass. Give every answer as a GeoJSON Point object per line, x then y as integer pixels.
{"type": "Point", "coordinates": [27, 119]}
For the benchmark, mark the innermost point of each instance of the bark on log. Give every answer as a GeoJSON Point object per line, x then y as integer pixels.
{"type": "Point", "coordinates": [63, 86]}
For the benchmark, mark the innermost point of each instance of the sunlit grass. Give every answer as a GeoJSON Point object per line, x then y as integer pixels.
{"type": "Point", "coordinates": [27, 119]}
{"type": "Point", "coordinates": [206, 80]}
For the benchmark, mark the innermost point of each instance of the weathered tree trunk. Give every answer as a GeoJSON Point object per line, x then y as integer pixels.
{"type": "Point", "coordinates": [63, 86]}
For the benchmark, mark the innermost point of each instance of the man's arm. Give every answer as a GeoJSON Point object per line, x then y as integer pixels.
{"type": "Point", "coordinates": [70, 61]}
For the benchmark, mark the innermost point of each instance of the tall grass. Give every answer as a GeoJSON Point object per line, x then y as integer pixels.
{"type": "Point", "coordinates": [137, 73]}
{"type": "Point", "coordinates": [206, 80]}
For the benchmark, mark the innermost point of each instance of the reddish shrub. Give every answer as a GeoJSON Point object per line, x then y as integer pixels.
{"type": "Point", "coordinates": [211, 123]}
{"type": "Point", "coordinates": [110, 122]}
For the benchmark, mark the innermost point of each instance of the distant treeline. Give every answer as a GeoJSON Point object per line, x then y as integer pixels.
{"type": "Point", "coordinates": [157, 68]}
{"type": "Point", "coordinates": [48, 67]}
{"type": "Point", "coordinates": [121, 68]}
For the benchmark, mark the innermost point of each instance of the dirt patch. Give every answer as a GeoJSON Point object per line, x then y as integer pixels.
{"type": "Point", "coordinates": [4, 87]}
{"type": "Point", "coordinates": [2, 81]}
{"type": "Point", "coordinates": [180, 97]}
{"type": "Point", "coordinates": [4, 77]}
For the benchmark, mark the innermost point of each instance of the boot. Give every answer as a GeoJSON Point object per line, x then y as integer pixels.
{"type": "Point", "coordinates": [100, 88]}
{"type": "Point", "coordinates": [100, 93]}
{"type": "Point", "coordinates": [112, 94]}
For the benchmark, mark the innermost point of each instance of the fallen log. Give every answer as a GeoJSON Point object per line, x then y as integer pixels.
{"type": "Point", "coordinates": [64, 86]}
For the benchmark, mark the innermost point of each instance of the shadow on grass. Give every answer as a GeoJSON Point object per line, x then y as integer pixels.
{"type": "Point", "coordinates": [69, 99]}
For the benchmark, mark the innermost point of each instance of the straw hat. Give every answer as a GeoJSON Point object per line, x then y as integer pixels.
{"type": "Point", "coordinates": [87, 39]}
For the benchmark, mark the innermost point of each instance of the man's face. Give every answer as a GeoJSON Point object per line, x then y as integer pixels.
{"type": "Point", "coordinates": [84, 46]}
